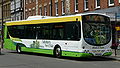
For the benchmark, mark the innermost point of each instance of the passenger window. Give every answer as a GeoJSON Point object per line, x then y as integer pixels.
{"type": "Point", "coordinates": [72, 31]}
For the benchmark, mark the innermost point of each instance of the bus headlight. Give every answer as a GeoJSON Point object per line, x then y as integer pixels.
{"type": "Point", "coordinates": [86, 51]}
{"type": "Point", "coordinates": [83, 47]}
{"type": "Point", "coordinates": [109, 50]}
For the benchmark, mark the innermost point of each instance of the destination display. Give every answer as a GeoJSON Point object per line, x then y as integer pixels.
{"type": "Point", "coordinates": [99, 18]}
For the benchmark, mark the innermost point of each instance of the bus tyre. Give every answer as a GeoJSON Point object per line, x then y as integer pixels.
{"type": "Point", "coordinates": [18, 49]}
{"type": "Point", "coordinates": [57, 52]}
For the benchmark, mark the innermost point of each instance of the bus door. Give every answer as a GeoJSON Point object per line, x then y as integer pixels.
{"type": "Point", "coordinates": [72, 34]}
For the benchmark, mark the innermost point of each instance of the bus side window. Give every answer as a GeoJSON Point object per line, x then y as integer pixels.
{"type": "Point", "coordinates": [72, 32]}
{"type": "Point", "coordinates": [58, 32]}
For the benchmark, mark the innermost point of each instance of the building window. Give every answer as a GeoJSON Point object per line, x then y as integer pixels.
{"type": "Point", "coordinates": [41, 11]}
{"type": "Point", "coordinates": [86, 4]}
{"type": "Point", "coordinates": [13, 17]}
{"type": "Point", "coordinates": [26, 14]}
{"type": "Point", "coordinates": [50, 6]}
{"type": "Point", "coordinates": [18, 4]}
{"type": "Point", "coordinates": [30, 12]}
{"type": "Point", "coordinates": [33, 11]}
{"type": "Point", "coordinates": [12, 6]}
{"type": "Point", "coordinates": [33, 1]}
{"type": "Point", "coordinates": [26, 1]}
{"type": "Point", "coordinates": [45, 9]}
{"type": "Point", "coordinates": [97, 3]}
{"type": "Point", "coordinates": [111, 2]}
{"type": "Point", "coordinates": [63, 7]}
{"type": "Point", "coordinates": [29, 1]}
{"type": "Point", "coordinates": [76, 5]}
{"type": "Point", "coordinates": [56, 6]}
{"type": "Point", "coordinates": [18, 16]}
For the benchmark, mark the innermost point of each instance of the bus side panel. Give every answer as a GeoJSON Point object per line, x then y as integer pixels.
{"type": "Point", "coordinates": [5, 32]}
{"type": "Point", "coordinates": [75, 54]}
{"type": "Point", "coordinates": [8, 44]}
{"type": "Point", "coordinates": [44, 51]}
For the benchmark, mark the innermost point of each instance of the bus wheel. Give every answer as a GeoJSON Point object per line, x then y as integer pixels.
{"type": "Point", "coordinates": [18, 49]}
{"type": "Point", "coordinates": [57, 52]}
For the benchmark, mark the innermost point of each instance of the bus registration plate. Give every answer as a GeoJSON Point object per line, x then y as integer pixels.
{"type": "Point", "coordinates": [97, 52]}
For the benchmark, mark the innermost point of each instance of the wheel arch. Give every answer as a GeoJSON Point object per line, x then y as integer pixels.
{"type": "Point", "coordinates": [56, 46]}
{"type": "Point", "coordinates": [54, 51]}
{"type": "Point", "coordinates": [20, 44]}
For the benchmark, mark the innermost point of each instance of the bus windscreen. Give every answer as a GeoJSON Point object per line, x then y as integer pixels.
{"type": "Point", "coordinates": [96, 29]}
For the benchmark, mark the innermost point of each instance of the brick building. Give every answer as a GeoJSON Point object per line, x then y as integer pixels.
{"type": "Point", "coordinates": [44, 7]}
{"type": "Point", "coordinates": [17, 10]}
{"type": "Point", "coordinates": [63, 7]}
{"type": "Point", "coordinates": [66, 7]}
{"type": "Point", "coordinates": [6, 10]}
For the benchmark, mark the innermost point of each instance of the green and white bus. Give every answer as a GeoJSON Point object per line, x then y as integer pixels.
{"type": "Point", "coordinates": [80, 35]}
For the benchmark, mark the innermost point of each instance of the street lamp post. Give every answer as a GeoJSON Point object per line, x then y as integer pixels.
{"type": "Point", "coordinates": [115, 34]}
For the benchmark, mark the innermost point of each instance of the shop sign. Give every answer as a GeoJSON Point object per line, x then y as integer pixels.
{"type": "Point", "coordinates": [117, 28]}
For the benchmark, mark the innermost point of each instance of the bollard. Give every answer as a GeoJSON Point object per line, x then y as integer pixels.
{"type": "Point", "coordinates": [115, 52]}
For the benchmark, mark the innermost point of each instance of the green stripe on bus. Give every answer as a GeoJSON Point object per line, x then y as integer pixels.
{"type": "Point", "coordinates": [107, 54]}
{"type": "Point", "coordinates": [49, 51]}
{"type": "Point", "coordinates": [75, 54]}
{"type": "Point", "coordinates": [9, 44]}
{"type": "Point", "coordinates": [45, 51]}
{"type": "Point", "coordinates": [5, 32]}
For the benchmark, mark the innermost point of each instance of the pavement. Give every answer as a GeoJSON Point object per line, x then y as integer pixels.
{"type": "Point", "coordinates": [116, 55]}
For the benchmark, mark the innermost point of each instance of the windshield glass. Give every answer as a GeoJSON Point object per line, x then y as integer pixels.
{"type": "Point", "coordinates": [96, 33]}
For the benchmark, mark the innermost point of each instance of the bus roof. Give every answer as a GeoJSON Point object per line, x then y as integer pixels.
{"type": "Point", "coordinates": [49, 19]}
